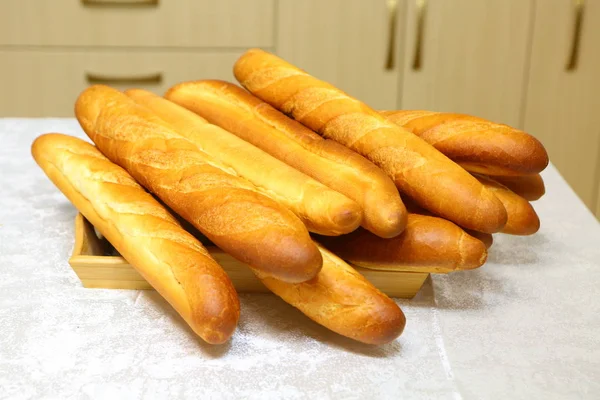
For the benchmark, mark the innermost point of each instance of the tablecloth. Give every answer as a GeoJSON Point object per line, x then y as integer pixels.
{"type": "Point", "coordinates": [526, 325]}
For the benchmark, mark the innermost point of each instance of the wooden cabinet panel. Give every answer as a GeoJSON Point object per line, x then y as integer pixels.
{"type": "Point", "coordinates": [190, 23]}
{"type": "Point", "coordinates": [46, 83]}
{"type": "Point", "coordinates": [473, 57]}
{"type": "Point", "coordinates": [563, 107]}
{"type": "Point", "coordinates": [344, 42]}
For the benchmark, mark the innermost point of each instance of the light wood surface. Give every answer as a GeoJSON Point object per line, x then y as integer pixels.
{"type": "Point", "coordinates": [45, 83]}
{"type": "Point", "coordinates": [344, 42]}
{"type": "Point", "coordinates": [190, 23]}
{"type": "Point", "coordinates": [474, 56]}
{"type": "Point", "coordinates": [563, 106]}
{"type": "Point", "coordinates": [598, 200]}
{"type": "Point", "coordinates": [96, 270]}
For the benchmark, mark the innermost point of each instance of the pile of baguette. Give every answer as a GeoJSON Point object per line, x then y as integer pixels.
{"type": "Point", "coordinates": [297, 179]}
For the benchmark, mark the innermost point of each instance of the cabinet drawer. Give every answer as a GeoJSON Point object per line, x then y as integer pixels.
{"type": "Point", "coordinates": [168, 23]}
{"type": "Point", "coordinates": [46, 83]}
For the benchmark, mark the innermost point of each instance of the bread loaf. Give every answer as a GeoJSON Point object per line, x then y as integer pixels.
{"type": "Point", "coordinates": [476, 144]}
{"type": "Point", "coordinates": [168, 257]}
{"type": "Point", "coordinates": [428, 244]}
{"type": "Point", "coordinates": [486, 238]}
{"type": "Point", "coordinates": [417, 168]}
{"type": "Point", "coordinates": [530, 187]}
{"type": "Point", "coordinates": [342, 300]}
{"type": "Point", "coordinates": [334, 165]}
{"type": "Point", "coordinates": [225, 208]}
{"type": "Point", "coordinates": [522, 218]}
{"type": "Point", "coordinates": [322, 210]}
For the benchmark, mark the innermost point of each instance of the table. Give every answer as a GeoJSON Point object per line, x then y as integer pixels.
{"type": "Point", "coordinates": [526, 325]}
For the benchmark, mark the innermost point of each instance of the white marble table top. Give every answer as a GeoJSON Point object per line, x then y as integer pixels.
{"type": "Point", "coordinates": [526, 325]}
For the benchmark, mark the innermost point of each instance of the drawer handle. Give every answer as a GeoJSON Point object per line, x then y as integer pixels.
{"type": "Point", "coordinates": [417, 58]}
{"type": "Point", "coordinates": [574, 55]}
{"type": "Point", "coordinates": [120, 3]}
{"type": "Point", "coordinates": [393, 21]}
{"type": "Point", "coordinates": [153, 79]}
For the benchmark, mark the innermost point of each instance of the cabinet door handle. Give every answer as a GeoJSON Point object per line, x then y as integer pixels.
{"type": "Point", "coordinates": [574, 55]}
{"type": "Point", "coordinates": [119, 3]}
{"type": "Point", "coordinates": [392, 22]}
{"type": "Point", "coordinates": [151, 79]}
{"type": "Point", "coordinates": [421, 11]}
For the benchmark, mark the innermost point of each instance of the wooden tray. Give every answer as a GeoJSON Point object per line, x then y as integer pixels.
{"type": "Point", "coordinates": [96, 268]}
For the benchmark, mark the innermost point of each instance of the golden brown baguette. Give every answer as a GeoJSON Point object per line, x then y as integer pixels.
{"type": "Point", "coordinates": [417, 168]}
{"type": "Point", "coordinates": [486, 238]}
{"type": "Point", "coordinates": [342, 300]}
{"type": "Point", "coordinates": [522, 218]}
{"type": "Point", "coordinates": [225, 208]}
{"type": "Point", "coordinates": [236, 110]}
{"type": "Point", "coordinates": [168, 257]}
{"type": "Point", "coordinates": [428, 244]}
{"type": "Point", "coordinates": [476, 144]}
{"type": "Point", "coordinates": [322, 209]}
{"type": "Point", "coordinates": [530, 187]}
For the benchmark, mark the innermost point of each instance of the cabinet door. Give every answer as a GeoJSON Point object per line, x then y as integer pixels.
{"type": "Point", "coordinates": [345, 42]}
{"type": "Point", "coordinates": [563, 106]}
{"type": "Point", "coordinates": [46, 83]}
{"type": "Point", "coordinates": [473, 57]}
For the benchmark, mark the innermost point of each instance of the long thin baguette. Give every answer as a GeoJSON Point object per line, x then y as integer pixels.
{"type": "Point", "coordinates": [225, 208]}
{"type": "Point", "coordinates": [241, 113]}
{"type": "Point", "coordinates": [168, 257]}
{"type": "Point", "coordinates": [428, 244]}
{"type": "Point", "coordinates": [522, 218]}
{"type": "Point", "coordinates": [342, 300]}
{"type": "Point", "coordinates": [486, 238]}
{"type": "Point", "coordinates": [530, 187]}
{"type": "Point", "coordinates": [476, 144]}
{"type": "Point", "coordinates": [417, 168]}
{"type": "Point", "coordinates": [322, 209]}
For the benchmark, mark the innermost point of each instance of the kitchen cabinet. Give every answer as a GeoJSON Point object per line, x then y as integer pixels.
{"type": "Point", "coordinates": [144, 23]}
{"type": "Point", "coordinates": [563, 106]}
{"type": "Point", "coordinates": [48, 81]}
{"type": "Point", "coordinates": [50, 50]}
{"type": "Point", "coordinates": [470, 57]}
{"type": "Point", "coordinates": [349, 43]}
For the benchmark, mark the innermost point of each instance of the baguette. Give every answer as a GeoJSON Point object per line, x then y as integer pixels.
{"type": "Point", "coordinates": [476, 144]}
{"type": "Point", "coordinates": [522, 218]}
{"type": "Point", "coordinates": [225, 208]}
{"type": "Point", "coordinates": [342, 300]}
{"type": "Point", "coordinates": [334, 165]}
{"type": "Point", "coordinates": [168, 257]}
{"type": "Point", "coordinates": [322, 210]}
{"type": "Point", "coordinates": [530, 187]}
{"type": "Point", "coordinates": [428, 244]}
{"type": "Point", "coordinates": [417, 168]}
{"type": "Point", "coordinates": [486, 238]}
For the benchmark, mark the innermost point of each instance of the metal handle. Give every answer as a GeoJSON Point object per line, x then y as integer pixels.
{"type": "Point", "coordinates": [153, 79]}
{"type": "Point", "coordinates": [574, 56]}
{"type": "Point", "coordinates": [392, 22]}
{"type": "Point", "coordinates": [421, 11]}
{"type": "Point", "coordinates": [119, 3]}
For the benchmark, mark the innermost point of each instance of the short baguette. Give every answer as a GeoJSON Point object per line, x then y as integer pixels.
{"type": "Point", "coordinates": [530, 187]}
{"type": "Point", "coordinates": [168, 257]}
{"type": "Point", "coordinates": [236, 110]}
{"type": "Point", "coordinates": [225, 208]}
{"type": "Point", "coordinates": [428, 244]}
{"type": "Point", "coordinates": [342, 300]}
{"type": "Point", "coordinates": [322, 209]}
{"type": "Point", "coordinates": [522, 218]}
{"type": "Point", "coordinates": [417, 168]}
{"type": "Point", "coordinates": [476, 144]}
